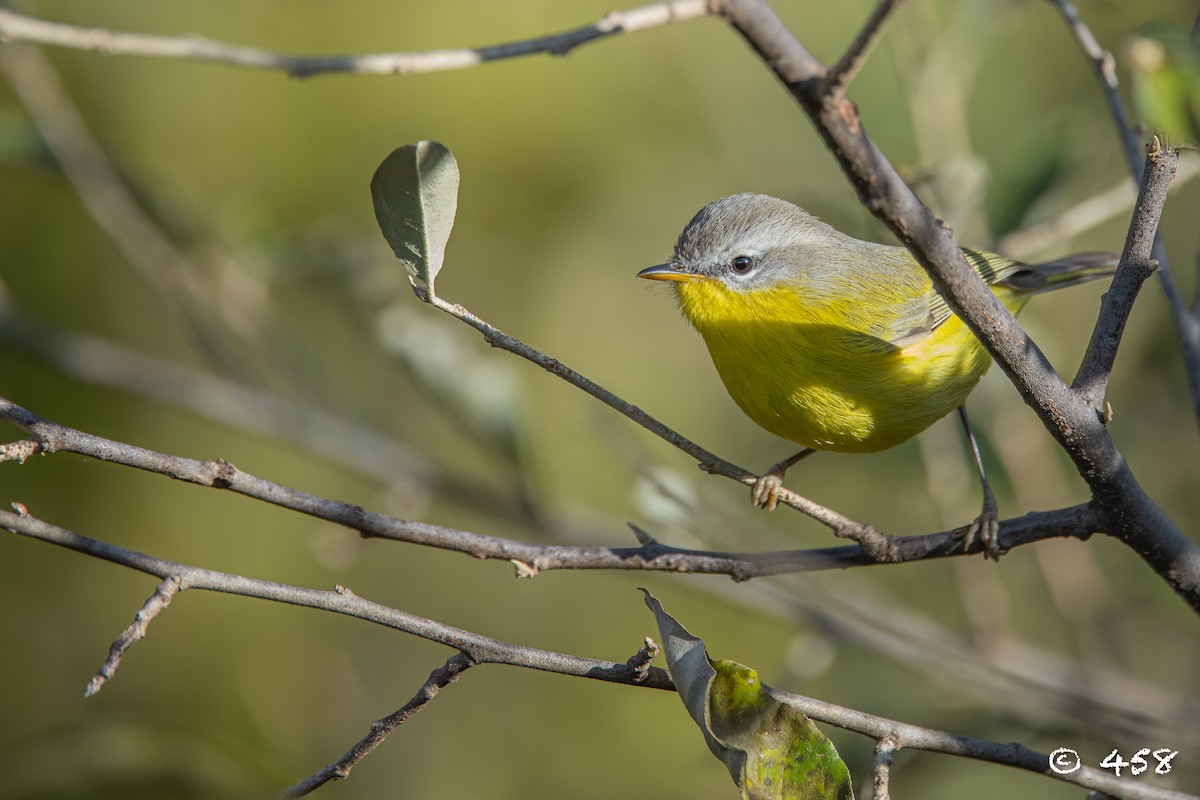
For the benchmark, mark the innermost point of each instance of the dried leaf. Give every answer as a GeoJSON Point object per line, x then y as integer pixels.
{"type": "Point", "coordinates": [771, 749]}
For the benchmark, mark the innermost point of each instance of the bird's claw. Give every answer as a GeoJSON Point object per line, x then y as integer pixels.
{"type": "Point", "coordinates": [765, 492]}
{"type": "Point", "coordinates": [987, 527]}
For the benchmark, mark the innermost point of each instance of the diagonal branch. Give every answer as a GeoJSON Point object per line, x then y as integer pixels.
{"type": "Point", "coordinates": [15, 27]}
{"type": "Point", "coordinates": [1187, 324]}
{"type": "Point", "coordinates": [136, 631]}
{"type": "Point", "coordinates": [439, 679]}
{"type": "Point", "coordinates": [1135, 267]}
{"type": "Point", "coordinates": [848, 65]}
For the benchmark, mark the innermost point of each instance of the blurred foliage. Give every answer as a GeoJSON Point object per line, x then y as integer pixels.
{"type": "Point", "coordinates": [1164, 62]}
{"type": "Point", "coordinates": [576, 173]}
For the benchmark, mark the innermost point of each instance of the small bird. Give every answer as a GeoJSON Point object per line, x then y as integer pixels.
{"type": "Point", "coordinates": [835, 343]}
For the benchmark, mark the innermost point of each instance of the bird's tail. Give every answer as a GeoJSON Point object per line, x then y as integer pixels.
{"type": "Point", "coordinates": [1062, 272]}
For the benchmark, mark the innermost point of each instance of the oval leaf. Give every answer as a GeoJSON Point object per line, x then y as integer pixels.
{"type": "Point", "coordinates": [415, 193]}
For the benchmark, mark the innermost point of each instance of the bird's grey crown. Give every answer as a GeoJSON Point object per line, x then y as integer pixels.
{"type": "Point", "coordinates": [747, 225]}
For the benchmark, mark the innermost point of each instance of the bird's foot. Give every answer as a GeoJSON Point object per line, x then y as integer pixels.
{"type": "Point", "coordinates": [765, 492]}
{"type": "Point", "coordinates": [987, 527]}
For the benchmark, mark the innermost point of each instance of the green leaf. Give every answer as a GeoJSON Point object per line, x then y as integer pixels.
{"type": "Point", "coordinates": [771, 749]}
{"type": "Point", "coordinates": [415, 192]}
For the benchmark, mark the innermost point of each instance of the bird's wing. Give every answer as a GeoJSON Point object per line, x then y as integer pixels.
{"type": "Point", "coordinates": [918, 317]}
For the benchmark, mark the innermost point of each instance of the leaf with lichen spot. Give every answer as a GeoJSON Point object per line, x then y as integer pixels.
{"type": "Point", "coordinates": [772, 750]}
{"type": "Point", "coordinates": [415, 193]}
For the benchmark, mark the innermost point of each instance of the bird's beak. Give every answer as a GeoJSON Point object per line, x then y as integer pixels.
{"type": "Point", "coordinates": [667, 272]}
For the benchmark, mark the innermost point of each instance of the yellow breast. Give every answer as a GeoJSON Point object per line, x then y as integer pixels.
{"type": "Point", "coordinates": [807, 371]}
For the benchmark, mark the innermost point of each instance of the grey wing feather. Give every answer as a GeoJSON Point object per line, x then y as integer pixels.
{"type": "Point", "coordinates": [921, 316]}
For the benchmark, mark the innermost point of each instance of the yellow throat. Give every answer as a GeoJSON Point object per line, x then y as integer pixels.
{"type": "Point", "coordinates": [800, 371]}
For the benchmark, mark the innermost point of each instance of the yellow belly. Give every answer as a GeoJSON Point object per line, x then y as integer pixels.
{"type": "Point", "coordinates": [807, 378]}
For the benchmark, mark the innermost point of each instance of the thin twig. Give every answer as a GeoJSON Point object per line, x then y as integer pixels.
{"type": "Point", "coordinates": [440, 678]}
{"type": "Point", "coordinates": [1187, 325]}
{"type": "Point", "coordinates": [16, 27]}
{"type": "Point", "coordinates": [1135, 267]}
{"type": "Point", "coordinates": [19, 451]}
{"type": "Point", "coordinates": [851, 62]}
{"type": "Point", "coordinates": [640, 661]}
{"type": "Point", "coordinates": [136, 631]}
{"type": "Point", "coordinates": [530, 559]}
{"type": "Point", "coordinates": [885, 751]}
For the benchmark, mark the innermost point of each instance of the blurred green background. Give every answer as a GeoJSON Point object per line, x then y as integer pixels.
{"type": "Point", "coordinates": [271, 276]}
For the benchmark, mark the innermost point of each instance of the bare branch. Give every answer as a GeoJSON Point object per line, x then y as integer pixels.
{"type": "Point", "coordinates": [885, 750]}
{"type": "Point", "coordinates": [481, 649]}
{"type": "Point", "coordinates": [16, 27]}
{"type": "Point", "coordinates": [1187, 325]}
{"type": "Point", "coordinates": [530, 559]}
{"type": "Point", "coordinates": [900, 735]}
{"type": "Point", "coordinates": [136, 631]}
{"type": "Point", "coordinates": [856, 55]}
{"type": "Point", "coordinates": [1135, 267]}
{"type": "Point", "coordinates": [440, 678]}
{"type": "Point", "coordinates": [477, 649]}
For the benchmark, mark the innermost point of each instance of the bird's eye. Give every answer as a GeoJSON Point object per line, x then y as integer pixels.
{"type": "Point", "coordinates": [742, 264]}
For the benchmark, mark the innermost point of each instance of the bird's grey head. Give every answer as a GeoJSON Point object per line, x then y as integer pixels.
{"type": "Point", "coordinates": [751, 241]}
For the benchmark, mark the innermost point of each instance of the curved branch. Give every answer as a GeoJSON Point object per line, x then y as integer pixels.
{"type": "Point", "coordinates": [16, 27]}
